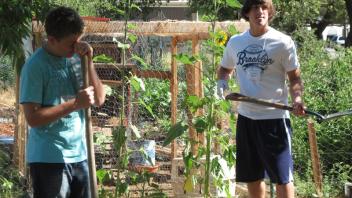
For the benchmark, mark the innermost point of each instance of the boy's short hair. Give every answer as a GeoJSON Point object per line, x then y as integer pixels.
{"type": "Point", "coordinates": [249, 3]}
{"type": "Point", "coordinates": [62, 22]}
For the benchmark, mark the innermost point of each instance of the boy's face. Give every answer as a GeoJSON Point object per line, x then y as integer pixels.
{"type": "Point", "coordinates": [64, 47]}
{"type": "Point", "coordinates": [259, 15]}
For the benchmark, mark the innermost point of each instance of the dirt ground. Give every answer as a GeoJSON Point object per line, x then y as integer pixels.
{"type": "Point", "coordinates": [7, 129]}
{"type": "Point", "coordinates": [7, 126]}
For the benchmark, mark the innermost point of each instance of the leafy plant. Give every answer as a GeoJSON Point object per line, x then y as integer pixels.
{"type": "Point", "coordinates": [206, 123]}
{"type": "Point", "coordinates": [11, 183]}
{"type": "Point", "coordinates": [327, 90]}
{"type": "Point", "coordinates": [127, 174]}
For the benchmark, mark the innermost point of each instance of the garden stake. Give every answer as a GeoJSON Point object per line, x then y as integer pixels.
{"type": "Point", "coordinates": [315, 158]}
{"type": "Point", "coordinates": [89, 134]}
{"type": "Point", "coordinates": [320, 118]}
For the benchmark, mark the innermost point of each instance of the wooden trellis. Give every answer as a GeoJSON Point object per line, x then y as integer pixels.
{"type": "Point", "coordinates": [179, 31]}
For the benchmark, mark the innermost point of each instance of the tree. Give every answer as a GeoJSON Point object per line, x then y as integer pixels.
{"type": "Point", "coordinates": [204, 7]}
{"type": "Point", "coordinates": [115, 9]}
{"type": "Point", "coordinates": [349, 12]}
{"type": "Point", "coordinates": [15, 17]}
{"type": "Point", "coordinates": [291, 15]}
{"type": "Point", "coordinates": [332, 11]}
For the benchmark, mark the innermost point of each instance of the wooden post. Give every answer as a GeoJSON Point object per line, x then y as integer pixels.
{"type": "Point", "coordinates": [315, 158]}
{"type": "Point", "coordinates": [20, 139]}
{"type": "Point", "coordinates": [198, 69]}
{"type": "Point", "coordinates": [348, 190]}
{"type": "Point", "coordinates": [193, 88]}
{"type": "Point", "coordinates": [89, 134]}
{"type": "Point", "coordinates": [174, 92]}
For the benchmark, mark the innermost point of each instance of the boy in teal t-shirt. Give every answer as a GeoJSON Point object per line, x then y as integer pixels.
{"type": "Point", "coordinates": [53, 99]}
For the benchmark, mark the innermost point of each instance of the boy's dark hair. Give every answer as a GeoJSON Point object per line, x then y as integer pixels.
{"type": "Point", "coordinates": [62, 22]}
{"type": "Point", "coordinates": [249, 3]}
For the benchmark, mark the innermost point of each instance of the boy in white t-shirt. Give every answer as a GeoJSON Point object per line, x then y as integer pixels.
{"type": "Point", "coordinates": [262, 57]}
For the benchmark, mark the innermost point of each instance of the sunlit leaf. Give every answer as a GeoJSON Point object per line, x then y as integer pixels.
{"type": "Point", "coordinates": [103, 59]}
{"type": "Point", "coordinates": [135, 131]}
{"type": "Point", "coordinates": [101, 173]}
{"type": "Point", "coordinates": [232, 30]}
{"type": "Point", "coordinates": [137, 83]}
{"type": "Point", "coordinates": [131, 26]}
{"type": "Point", "coordinates": [140, 60]}
{"type": "Point", "coordinates": [189, 184]}
{"type": "Point", "coordinates": [121, 12]}
{"type": "Point", "coordinates": [136, 7]}
{"type": "Point", "coordinates": [133, 38]}
{"type": "Point", "coordinates": [119, 136]}
{"type": "Point", "coordinates": [234, 3]}
{"type": "Point", "coordinates": [108, 90]}
{"type": "Point", "coordinates": [194, 102]}
{"type": "Point", "coordinates": [149, 109]}
{"type": "Point", "coordinates": [123, 45]}
{"type": "Point", "coordinates": [186, 59]}
{"type": "Point", "coordinates": [175, 131]}
{"type": "Point", "coordinates": [225, 105]}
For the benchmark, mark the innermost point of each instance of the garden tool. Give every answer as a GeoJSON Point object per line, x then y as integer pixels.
{"type": "Point", "coordinates": [320, 118]}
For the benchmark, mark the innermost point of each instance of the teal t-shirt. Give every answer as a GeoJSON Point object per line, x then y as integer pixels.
{"type": "Point", "coordinates": [49, 80]}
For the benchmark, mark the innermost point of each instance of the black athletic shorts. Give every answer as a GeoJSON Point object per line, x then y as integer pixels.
{"type": "Point", "coordinates": [264, 148]}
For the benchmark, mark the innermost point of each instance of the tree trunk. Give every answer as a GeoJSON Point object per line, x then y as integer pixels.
{"type": "Point", "coordinates": [348, 42]}
{"type": "Point", "coordinates": [319, 28]}
{"type": "Point", "coordinates": [326, 20]}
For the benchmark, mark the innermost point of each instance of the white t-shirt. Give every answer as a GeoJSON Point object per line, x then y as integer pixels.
{"type": "Point", "coordinates": [261, 65]}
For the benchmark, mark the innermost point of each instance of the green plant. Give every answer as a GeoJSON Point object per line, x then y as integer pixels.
{"type": "Point", "coordinates": [327, 89]}
{"type": "Point", "coordinates": [11, 183]}
{"type": "Point", "coordinates": [126, 173]}
{"type": "Point", "coordinates": [207, 123]}
{"type": "Point", "coordinates": [7, 73]}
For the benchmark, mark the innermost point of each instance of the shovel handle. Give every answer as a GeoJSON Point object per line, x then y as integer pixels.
{"type": "Point", "coordinates": [89, 134]}
{"type": "Point", "coordinates": [240, 97]}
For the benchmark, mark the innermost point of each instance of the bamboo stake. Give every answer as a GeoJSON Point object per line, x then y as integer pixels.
{"type": "Point", "coordinates": [174, 92]}
{"type": "Point", "coordinates": [315, 158]}
{"type": "Point", "coordinates": [89, 134]}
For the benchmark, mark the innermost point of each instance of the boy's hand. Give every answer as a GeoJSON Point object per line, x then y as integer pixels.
{"type": "Point", "coordinates": [298, 107]}
{"type": "Point", "coordinates": [85, 98]}
{"type": "Point", "coordinates": [83, 48]}
{"type": "Point", "coordinates": [221, 87]}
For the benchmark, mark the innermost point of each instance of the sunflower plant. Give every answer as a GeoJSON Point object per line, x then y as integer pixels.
{"type": "Point", "coordinates": [215, 109]}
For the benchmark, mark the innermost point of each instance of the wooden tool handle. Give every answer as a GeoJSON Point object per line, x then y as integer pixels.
{"type": "Point", "coordinates": [89, 134]}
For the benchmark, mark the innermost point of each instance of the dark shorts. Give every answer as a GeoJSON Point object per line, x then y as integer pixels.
{"type": "Point", "coordinates": [264, 148]}
{"type": "Point", "coordinates": [51, 180]}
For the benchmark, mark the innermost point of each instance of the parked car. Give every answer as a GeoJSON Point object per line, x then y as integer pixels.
{"type": "Point", "coordinates": [336, 39]}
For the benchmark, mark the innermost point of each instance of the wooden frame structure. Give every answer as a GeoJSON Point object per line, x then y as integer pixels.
{"type": "Point", "coordinates": [180, 31]}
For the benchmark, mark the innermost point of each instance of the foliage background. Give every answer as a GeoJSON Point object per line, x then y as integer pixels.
{"type": "Point", "coordinates": [327, 80]}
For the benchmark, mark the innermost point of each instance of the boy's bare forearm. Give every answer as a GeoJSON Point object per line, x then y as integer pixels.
{"type": "Point", "coordinates": [99, 92]}
{"type": "Point", "coordinates": [223, 73]}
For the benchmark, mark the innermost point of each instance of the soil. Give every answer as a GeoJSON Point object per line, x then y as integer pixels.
{"type": "Point", "coordinates": [7, 118]}
{"type": "Point", "coordinates": [7, 129]}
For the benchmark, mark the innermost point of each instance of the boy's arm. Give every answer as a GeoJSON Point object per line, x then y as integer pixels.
{"type": "Point", "coordinates": [99, 92]}
{"type": "Point", "coordinates": [296, 91]}
{"type": "Point", "coordinates": [83, 48]}
{"type": "Point", "coordinates": [224, 73]}
{"type": "Point", "coordinates": [36, 115]}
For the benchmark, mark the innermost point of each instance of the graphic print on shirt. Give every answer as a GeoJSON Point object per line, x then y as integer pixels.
{"type": "Point", "coordinates": [254, 61]}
